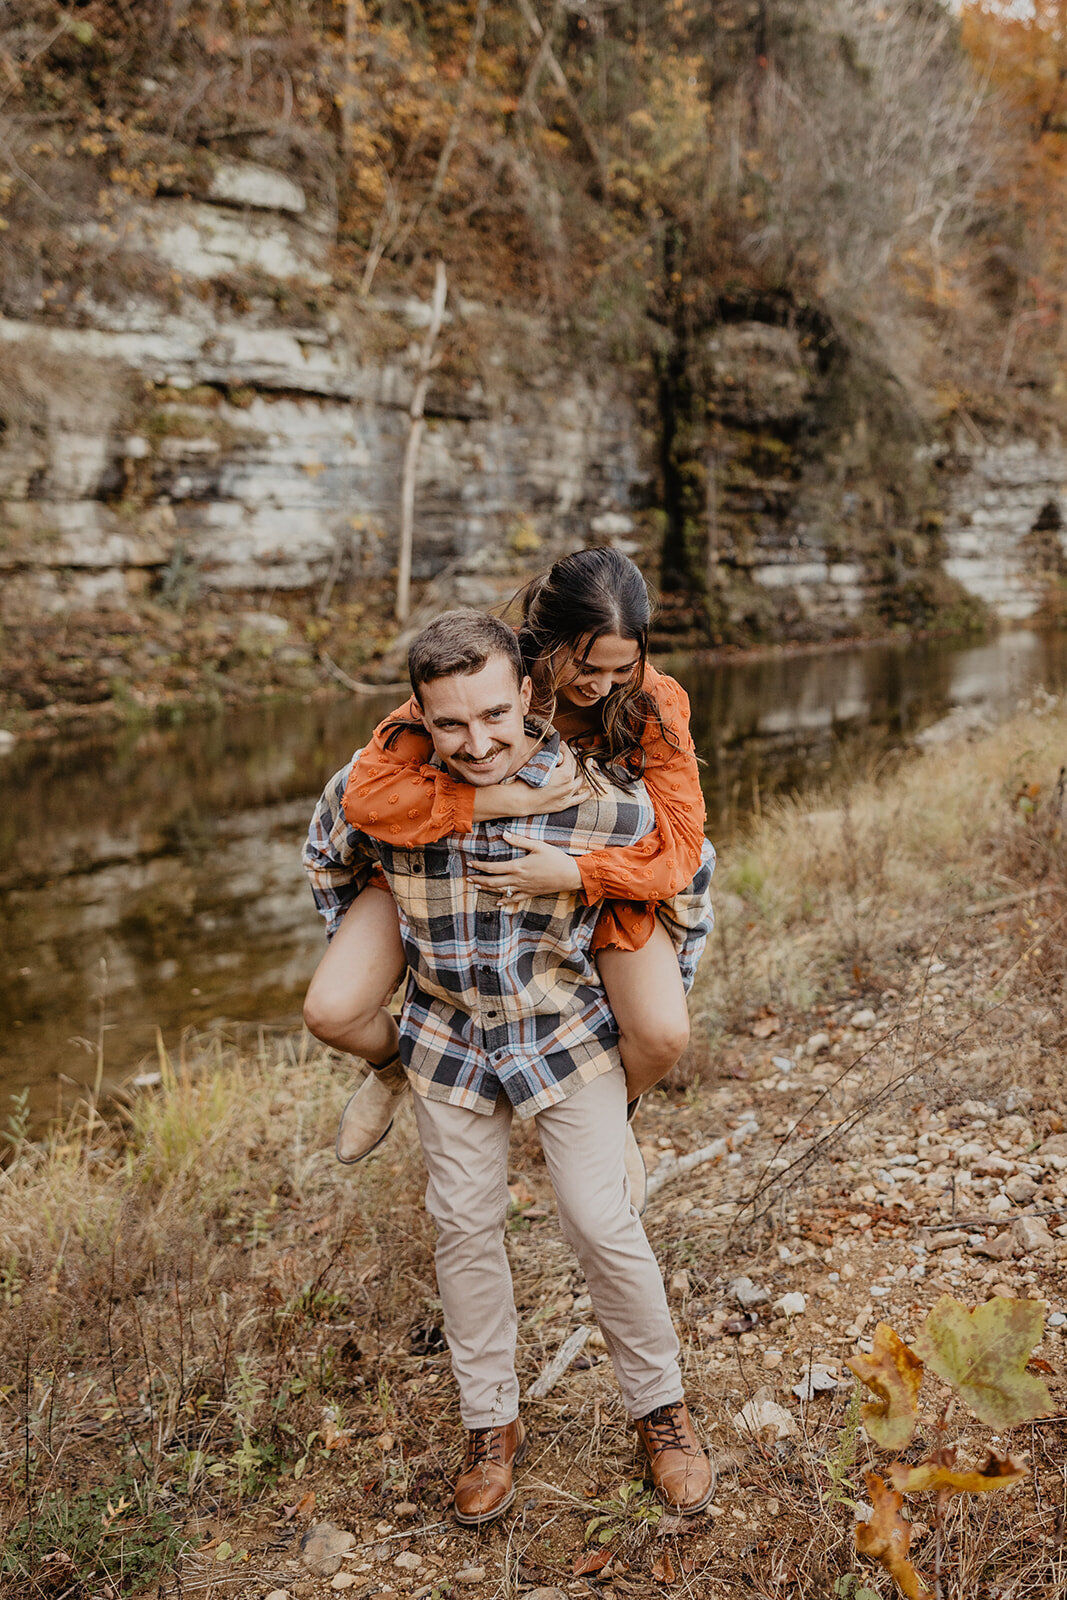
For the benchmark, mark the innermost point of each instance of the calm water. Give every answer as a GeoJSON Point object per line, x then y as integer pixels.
{"type": "Point", "coordinates": [152, 878]}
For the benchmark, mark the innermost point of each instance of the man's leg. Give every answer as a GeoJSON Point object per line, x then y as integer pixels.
{"type": "Point", "coordinates": [466, 1157]}
{"type": "Point", "coordinates": [582, 1139]}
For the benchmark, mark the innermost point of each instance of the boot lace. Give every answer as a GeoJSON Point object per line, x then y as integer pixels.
{"type": "Point", "coordinates": [484, 1445]}
{"type": "Point", "coordinates": [663, 1429]}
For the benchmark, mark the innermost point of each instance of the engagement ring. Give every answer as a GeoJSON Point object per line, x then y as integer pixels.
{"type": "Point", "coordinates": [508, 892]}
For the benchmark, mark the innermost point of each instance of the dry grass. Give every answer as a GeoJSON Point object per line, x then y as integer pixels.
{"type": "Point", "coordinates": [828, 889]}
{"type": "Point", "coordinates": [210, 1325]}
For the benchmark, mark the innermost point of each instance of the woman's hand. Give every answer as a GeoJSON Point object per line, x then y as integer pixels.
{"type": "Point", "coordinates": [545, 870]}
{"type": "Point", "coordinates": [566, 787]}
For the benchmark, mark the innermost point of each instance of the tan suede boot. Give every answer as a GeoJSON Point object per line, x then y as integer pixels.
{"type": "Point", "coordinates": [368, 1116]}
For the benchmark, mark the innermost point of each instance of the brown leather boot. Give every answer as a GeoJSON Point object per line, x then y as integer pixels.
{"type": "Point", "coordinates": [681, 1472]}
{"type": "Point", "coordinates": [484, 1488]}
{"type": "Point", "coordinates": [369, 1113]}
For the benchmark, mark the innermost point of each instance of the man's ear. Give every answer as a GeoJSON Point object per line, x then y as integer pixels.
{"type": "Point", "coordinates": [415, 710]}
{"type": "Point", "coordinates": [526, 693]}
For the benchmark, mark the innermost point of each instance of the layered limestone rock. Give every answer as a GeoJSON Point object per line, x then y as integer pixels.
{"type": "Point", "coordinates": [156, 442]}
{"type": "Point", "coordinates": [1006, 526]}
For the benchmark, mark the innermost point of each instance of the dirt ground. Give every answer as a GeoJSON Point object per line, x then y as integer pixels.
{"type": "Point", "coordinates": [882, 1152]}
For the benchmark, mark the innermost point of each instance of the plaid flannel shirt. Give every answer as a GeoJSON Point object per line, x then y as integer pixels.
{"type": "Point", "coordinates": [498, 996]}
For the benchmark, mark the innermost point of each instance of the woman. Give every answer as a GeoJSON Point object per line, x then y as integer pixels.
{"type": "Point", "coordinates": [584, 641]}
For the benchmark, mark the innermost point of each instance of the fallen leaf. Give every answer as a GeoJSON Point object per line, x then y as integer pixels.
{"type": "Point", "coordinates": [895, 1375]}
{"type": "Point", "coordinates": [938, 1473]}
{"type": "Point", "coordinates": [663, 1568]}
{"type": "Point", "coordinates": [590, 1561]}
{"type": "Point", "coordinates": [303, 1507]}
{"type": "Point", "coordinates": [887, 1536]}
{"type": "Point", "coordinates": [982, 1354]}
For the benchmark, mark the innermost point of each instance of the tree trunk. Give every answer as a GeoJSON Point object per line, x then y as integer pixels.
{"type": "Point", "coordinates": [427, 362]}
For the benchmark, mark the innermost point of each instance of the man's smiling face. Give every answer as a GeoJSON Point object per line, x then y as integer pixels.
{"type": "Point", "coordinates": [475, 721]}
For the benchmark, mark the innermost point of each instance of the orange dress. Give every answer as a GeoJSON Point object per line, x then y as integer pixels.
{"type": "Point", "coordinates": [395, 794]}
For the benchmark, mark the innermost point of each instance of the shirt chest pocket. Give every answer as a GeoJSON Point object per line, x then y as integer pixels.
{"type": "Point", "coordinates": [432, 865]}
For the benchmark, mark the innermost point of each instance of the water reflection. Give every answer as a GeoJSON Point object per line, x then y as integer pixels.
{"type": "Point", "coordinates": [152, 878]}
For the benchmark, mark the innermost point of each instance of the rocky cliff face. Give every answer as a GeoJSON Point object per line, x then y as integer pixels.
{"type": "Point", "coordinates": [251, 443]}
{"type": "Point", "coordinates": [262, 451]}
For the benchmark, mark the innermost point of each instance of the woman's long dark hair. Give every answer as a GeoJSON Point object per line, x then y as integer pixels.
{"type": "Point", "coordinates": [579, 600]}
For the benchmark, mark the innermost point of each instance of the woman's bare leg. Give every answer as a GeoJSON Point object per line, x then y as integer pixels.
{"type": "Point", "coordinates": [355, 980]}
{"type": "Point", "coordinates": [648, 998]}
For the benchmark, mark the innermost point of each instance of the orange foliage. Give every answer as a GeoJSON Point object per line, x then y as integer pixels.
{"type": "Point", "coordinates": [1022, 50]}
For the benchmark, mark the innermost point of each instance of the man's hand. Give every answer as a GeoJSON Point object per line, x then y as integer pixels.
{"type": "Point", "coordinates": [567, 786]}
{"type": "Point", "coordinates": [545, 870]}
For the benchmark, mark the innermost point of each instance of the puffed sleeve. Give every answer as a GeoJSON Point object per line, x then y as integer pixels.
{"type": "Point", "coordinates": [666, 859]}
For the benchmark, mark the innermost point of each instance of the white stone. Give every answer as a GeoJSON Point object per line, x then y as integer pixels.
{"type": "Point", "coordinates": [1031, 1235]}
{"type": "Point", "coordinates": [862, 1020]}
{"type": "Point", "coordinates": [792, 1304]}
{"type": "Point", "coordinates": [246, 183]}
{"type": "Point", "coordinates": [408, 1561]}
{"type": "Point", "coordinates": [763, 1411]}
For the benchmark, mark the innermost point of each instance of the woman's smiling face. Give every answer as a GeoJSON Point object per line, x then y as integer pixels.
{"type": "Point", "coordinates": [589, 672]}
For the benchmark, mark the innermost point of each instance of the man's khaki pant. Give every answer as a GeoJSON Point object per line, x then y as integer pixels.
{"type": "Point", "coordinates": [582, 1139]}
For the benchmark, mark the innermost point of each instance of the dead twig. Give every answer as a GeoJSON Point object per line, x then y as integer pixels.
{"type": "Point", "coordinates": [672, 1167]}
{"type": "Point", "coordinates": [356, 684]}
{"type": "Point", "coordinates": [567, 1352]}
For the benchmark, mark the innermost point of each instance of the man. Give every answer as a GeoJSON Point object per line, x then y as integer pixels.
{"type": "Point", "coordinates": [504, 1015]}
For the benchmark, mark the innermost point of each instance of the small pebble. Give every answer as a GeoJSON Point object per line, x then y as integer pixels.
{"type": "Point", "coordinates": [1057, 1319]}
{"type": "Point", "coordinates": [791, 1305]}
{"type": "Point", "coordinates": [863, 1020]}
{"type": "Point", "coordinates": [408, 1561]}
{"type": "Point", "coordinates": [343, 1580]}
{"type": "Point", "coordinates": [471, 1575]}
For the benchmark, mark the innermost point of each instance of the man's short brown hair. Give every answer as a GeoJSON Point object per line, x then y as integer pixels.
{"type": "Point", "coordinates": [458, 644]}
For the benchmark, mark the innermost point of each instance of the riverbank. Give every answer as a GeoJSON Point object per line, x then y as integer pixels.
{"type": "Point", "coordinates": [215, 1337]}
{"type": "Point", "coordinates": [158, 664]}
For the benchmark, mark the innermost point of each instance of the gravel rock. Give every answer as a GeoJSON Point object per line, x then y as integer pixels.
{"type": "Point", "coordinates": [1021, 1189]}
{"type": "Point", "coordinates": [993, 1166]}
{"type": "Point", "coordinates": [1002, 1248]}
{"type": "Point", "coordinates": [747, 1294]}
{"type": "Point", "coordinates": [948, 1239]}
{"type": "Point", "coordinates": [763, 1411]}
{"type": "Point", "coordinates": [322, 1547]}
{"type": "Point", "coordinates": [792, 1304]}
{"type": "Point", "coordinates": [471, 1575]}
{"type": "Point", "coordinates": [1031, 1235]}
{"type": "Point", "coordinates": [816, 1380]}
{"type": "Point", "coordinates": [408, 1561]}
{"type": "Point", "coordinates": [863, 1020]}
